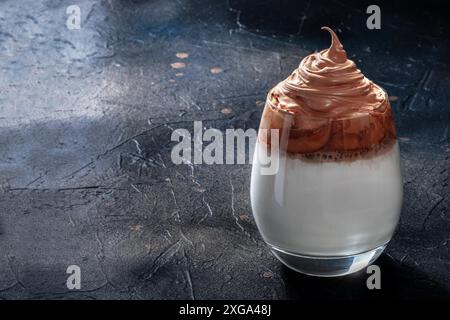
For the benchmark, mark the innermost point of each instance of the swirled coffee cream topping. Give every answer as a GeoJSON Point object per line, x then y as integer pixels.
{"type": "Point", "coordinates": [331, 109]}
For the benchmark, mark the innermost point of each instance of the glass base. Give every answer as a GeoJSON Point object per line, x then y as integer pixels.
{"type": "Point", "coordinates": [327, 266]}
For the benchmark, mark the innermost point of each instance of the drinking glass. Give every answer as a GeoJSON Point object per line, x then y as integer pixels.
{"type": "Point", "coordinates": [324, 213]}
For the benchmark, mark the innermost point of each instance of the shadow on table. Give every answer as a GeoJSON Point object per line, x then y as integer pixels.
{"type": "Point", "coordinates": [397, 282]}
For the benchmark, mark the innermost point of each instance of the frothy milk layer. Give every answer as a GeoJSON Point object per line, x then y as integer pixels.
{"type": "Point", "coordinates": [328, 208]}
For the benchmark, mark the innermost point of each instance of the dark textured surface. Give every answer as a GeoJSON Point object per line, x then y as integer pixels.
{"type": "Point", "coordinates": [85, 124]}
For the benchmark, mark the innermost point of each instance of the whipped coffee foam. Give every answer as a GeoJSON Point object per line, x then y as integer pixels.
{"type": "Point", "coordinates": [331, 108]}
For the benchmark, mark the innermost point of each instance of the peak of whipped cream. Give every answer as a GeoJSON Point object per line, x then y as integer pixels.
{"type": "Point", "coordinates": [335, 52]}
{"type": "Point", "coordinates": [327, 83]}
{"type": "Point", "coordinates": [330, 106]}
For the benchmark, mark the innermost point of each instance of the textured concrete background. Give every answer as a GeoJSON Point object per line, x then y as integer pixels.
{"type": "Point", "coordinates": [85, 123]}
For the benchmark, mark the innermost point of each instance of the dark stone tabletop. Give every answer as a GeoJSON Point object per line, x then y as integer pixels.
{"type": "Point", "coordinates": [86, 117]}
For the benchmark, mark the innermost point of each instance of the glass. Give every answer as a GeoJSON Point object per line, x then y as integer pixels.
{"type": "Point", "coordinates": [324, 213]}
